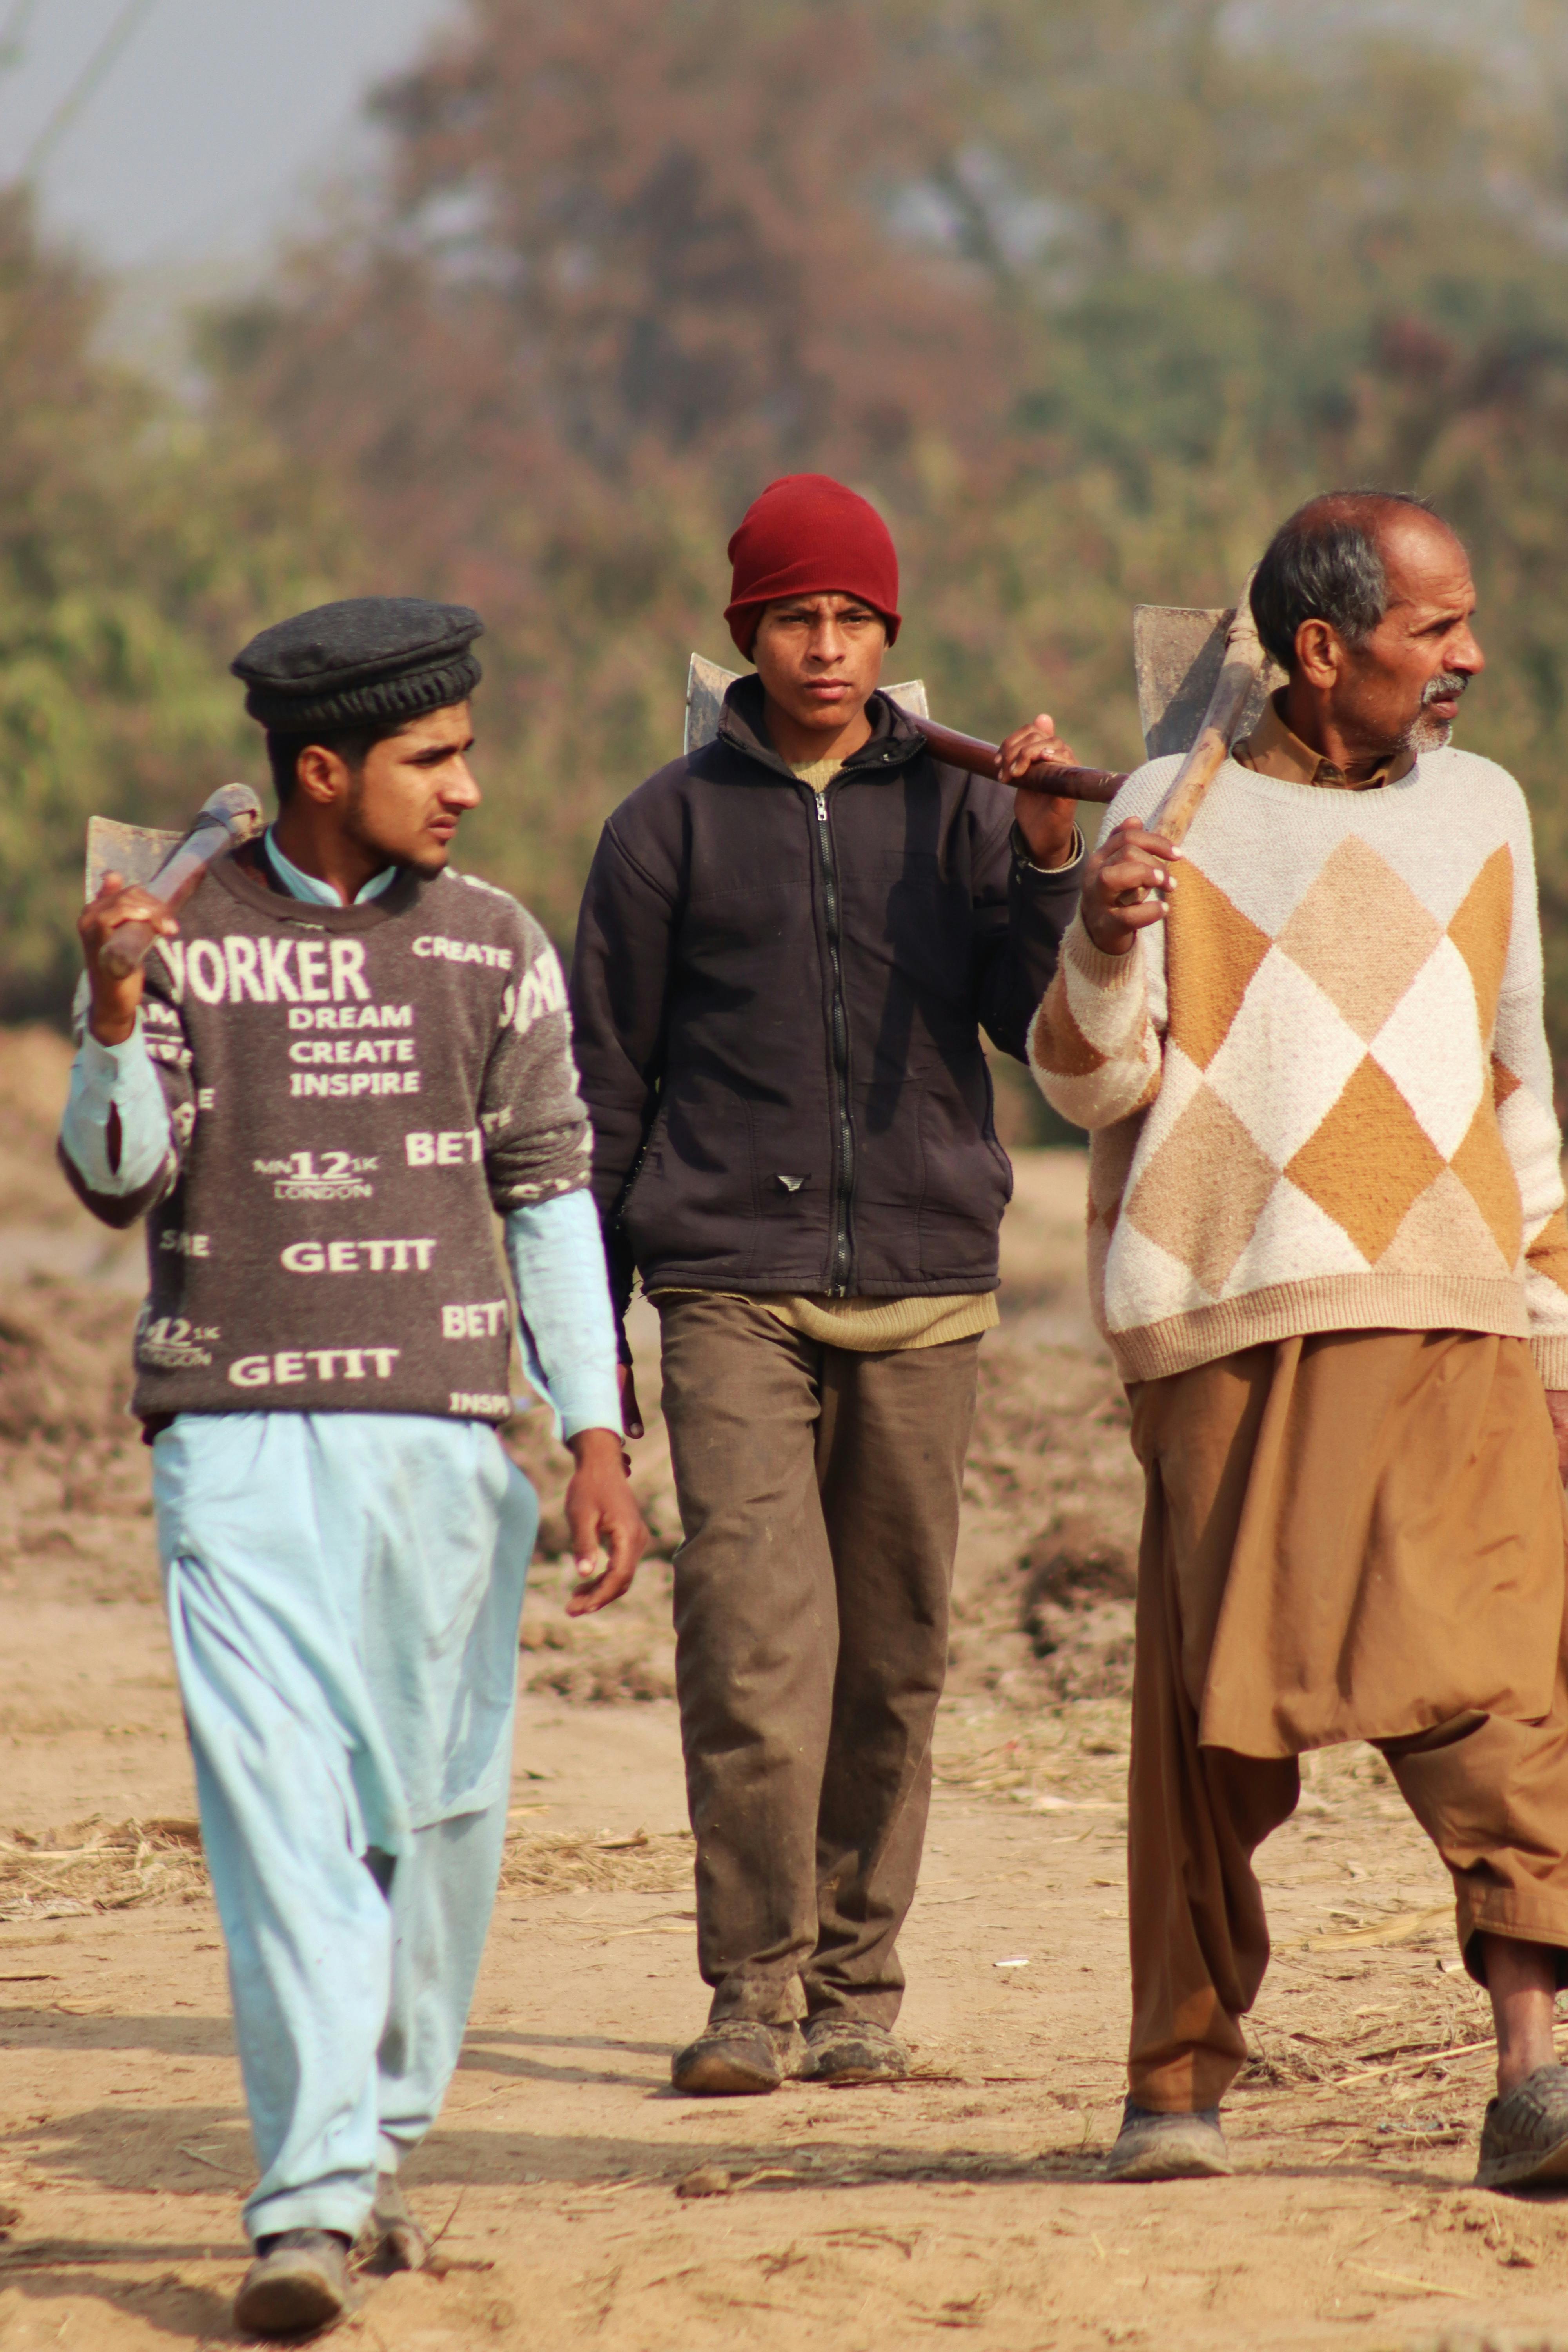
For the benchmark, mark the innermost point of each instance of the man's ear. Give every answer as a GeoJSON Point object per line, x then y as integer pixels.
{"type": "Point", "coordinates": [1319, 655]}
{"type": "Point", "coordinates": [322, 775]}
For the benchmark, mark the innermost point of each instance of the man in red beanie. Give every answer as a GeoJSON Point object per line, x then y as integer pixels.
{"type": "Point", "coordinates": [789, 943]}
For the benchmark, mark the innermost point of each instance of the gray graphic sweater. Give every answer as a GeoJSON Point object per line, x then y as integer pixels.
{"type": "Point", "coordinates": [352, 1090]}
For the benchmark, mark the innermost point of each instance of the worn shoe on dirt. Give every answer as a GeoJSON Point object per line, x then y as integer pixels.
{"type": "Point", "coordinates": [736, 2057]}
{"type": "Point", "coordinates": [1149, 2146]}
{"type": "Point", "coordinates": [847, 2050]}
{"type": "Point", "coordinates": [1524, 2136]}
{"type": "Point", "coordinates": [298, 2285]}
{"type": "Point", "coordinates": [391, 2240]}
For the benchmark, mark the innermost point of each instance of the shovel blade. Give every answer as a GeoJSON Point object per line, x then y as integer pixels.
{"type": "Point", "coordinates": [135, 852]}
{"type": "Point", "coordinates": [1177, 650]}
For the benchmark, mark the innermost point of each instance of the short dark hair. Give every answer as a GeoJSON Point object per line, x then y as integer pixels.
{"type": "Point", "coordinates": [352, 746]}
{"type": "Point", "coordinates": [1325, 563]}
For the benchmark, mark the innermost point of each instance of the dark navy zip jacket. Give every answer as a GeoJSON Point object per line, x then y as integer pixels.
{"type": "Point", "coordinates": [777, 1004]}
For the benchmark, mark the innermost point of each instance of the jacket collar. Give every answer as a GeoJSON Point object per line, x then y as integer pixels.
{"type": "Point", "coordinates": [894, 740]}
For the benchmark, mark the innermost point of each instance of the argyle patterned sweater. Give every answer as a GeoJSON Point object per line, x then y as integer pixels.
{"type": "Point", "coordinates": [1319, 1094]}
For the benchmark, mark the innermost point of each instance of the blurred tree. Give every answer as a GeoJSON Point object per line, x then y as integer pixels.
{"type": "Point", "coordinates": [624, 274]}
{"type": "Point", "coordinates": [1087, 293]}
{"type": "Point", "coordinates": [135, 553]}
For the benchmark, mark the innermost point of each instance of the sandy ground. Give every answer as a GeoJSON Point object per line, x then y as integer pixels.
{"type": "Point", "coordinates": [968, 2198]}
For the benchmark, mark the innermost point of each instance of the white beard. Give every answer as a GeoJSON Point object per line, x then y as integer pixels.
{"type": "Point", "coordinates": [1430, 734]}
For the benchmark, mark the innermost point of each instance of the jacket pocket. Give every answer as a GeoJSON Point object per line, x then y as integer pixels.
{"type": "Point", "coordinates": [968, 1183]}
{"type": "Point", "coordinates": [695, 1195]}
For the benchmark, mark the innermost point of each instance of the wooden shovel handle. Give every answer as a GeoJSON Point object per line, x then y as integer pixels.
{"type": "Point", "coordinates": [1239, 672]}
{"type": "Point", "coordinates": [980, 758]}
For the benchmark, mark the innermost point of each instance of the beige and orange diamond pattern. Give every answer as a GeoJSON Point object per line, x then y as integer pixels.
{"type": "Point", "coordinates": [1345, 1074]}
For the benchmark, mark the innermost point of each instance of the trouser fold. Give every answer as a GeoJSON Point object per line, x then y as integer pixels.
{"type": "Point", "coordinates": [351, 1971]}
{"type": "Point", "coordinates": [1491, 1794]}
{"type": "Point", "coordinates": [819, 1492]}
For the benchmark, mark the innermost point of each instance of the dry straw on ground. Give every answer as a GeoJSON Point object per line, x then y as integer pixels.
{"type": "Point", "coordinates": [638, 1865]}
{"type": "Point", "coordinates": [98, 1865]}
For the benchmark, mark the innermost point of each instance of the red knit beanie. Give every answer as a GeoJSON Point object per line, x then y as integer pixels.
{"type": "Point", "coordinates": [806, 535]}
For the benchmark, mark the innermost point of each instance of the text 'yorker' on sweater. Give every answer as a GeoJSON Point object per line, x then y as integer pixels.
{"type": "Point", "coordinates": [350, 1263]}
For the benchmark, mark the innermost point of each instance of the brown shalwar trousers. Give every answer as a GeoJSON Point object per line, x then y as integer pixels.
{"type": "Point", "coordinates": [1353, 1535]}
{"type": "Point", "coordinates": [819, 1491]}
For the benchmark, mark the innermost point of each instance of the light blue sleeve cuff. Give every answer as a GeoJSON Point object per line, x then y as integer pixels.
{"type": "Point", "coordinates": [123, 1079]}
{"type": "Point", "coordinates": [586, 1400]}
{"type": "Point", "coordinates": [568, 1335]}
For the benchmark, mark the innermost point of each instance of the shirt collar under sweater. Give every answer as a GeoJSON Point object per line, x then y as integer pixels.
{"type": "Point", "coordinates": [300, 885]}
{"type": "Point", "coordinates": [1273, 749]}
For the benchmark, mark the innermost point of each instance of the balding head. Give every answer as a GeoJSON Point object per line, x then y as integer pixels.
{"type": "Point", "coordinates": [1338, 559]}
{"type": "Point", "coordinates": [1365, 598]}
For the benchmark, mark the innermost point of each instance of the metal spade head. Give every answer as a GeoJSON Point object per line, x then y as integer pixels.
{"type": "Point", "coordinates": [1177, 650]}
{"type": "Point", "coordinates": [139, 852]}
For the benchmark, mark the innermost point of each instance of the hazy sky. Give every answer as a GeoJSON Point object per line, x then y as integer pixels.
{"type": "Point", "coordinates": [209, 128]}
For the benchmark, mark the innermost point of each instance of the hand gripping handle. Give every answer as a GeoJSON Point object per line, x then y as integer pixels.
{"type": "Point", "coordinates": [230, 816]}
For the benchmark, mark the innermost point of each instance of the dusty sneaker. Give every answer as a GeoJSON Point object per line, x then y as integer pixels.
{"type": "Point", "coordinates": [737, 2055]}
{"type": "Point", "coordinates": [1524, 2136]}
{"type": "Point", "coordinates": [298, 2285]}
{"type": "Point", "coordinates": [1168, 2148]}
{"type": "Point", "coordinates": [391, 2240]}
{"type": "Point", "coordinates": [844, 2050]}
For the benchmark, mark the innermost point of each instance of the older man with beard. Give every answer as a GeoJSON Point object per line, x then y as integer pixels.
{"type": "Point", "coordinates": [1328, 1251]}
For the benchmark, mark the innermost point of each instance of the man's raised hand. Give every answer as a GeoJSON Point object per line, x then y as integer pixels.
{"type": "Point", "coordinates": [1122, 886]}
{"type": "Point", "coordinates": [600, 1511]}
{"type": "Point", "coordinates": [1047, 824]}
{"type": "Point", "coordinates": [115, 996]}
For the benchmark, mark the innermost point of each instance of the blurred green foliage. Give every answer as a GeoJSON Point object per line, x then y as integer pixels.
{"type": "Point", "coordinates": [1085, 293]}
{"type": "Point", "coordinates": [133, 546]}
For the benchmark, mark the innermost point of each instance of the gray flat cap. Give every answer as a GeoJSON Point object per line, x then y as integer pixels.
{"type": "Point", "coordinates": [358, 662]}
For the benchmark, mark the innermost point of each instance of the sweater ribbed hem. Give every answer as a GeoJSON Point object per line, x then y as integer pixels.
{"type": "Point", "coordinates": [1550, 1353]}
{"type": "Point", "coordinates": [1328, 1302]}
{"type": "Point", "coordinates": [888, 1326]}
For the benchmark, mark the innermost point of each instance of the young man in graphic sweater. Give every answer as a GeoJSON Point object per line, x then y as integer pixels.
{"type": "Point", "coordinates": [344, 1061]}
{"type": "Point", "coordinates": [1328, 1250]}
{"type": "Point", "coordinates": [789, 944]}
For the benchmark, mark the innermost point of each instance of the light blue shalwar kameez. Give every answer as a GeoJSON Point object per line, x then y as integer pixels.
{"type": "Point", "coordinates": [343, 1594]}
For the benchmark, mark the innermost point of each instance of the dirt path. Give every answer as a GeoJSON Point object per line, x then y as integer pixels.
{"type": "Point", "coordinates": [967, 2200]}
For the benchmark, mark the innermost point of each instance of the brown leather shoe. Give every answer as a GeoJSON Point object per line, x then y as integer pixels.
{"type": "Point", "coordinates": [737, 2057]}
{"type": "Point", "coordinates": [298, 2285]}
{"type": "Point", "coordinates": [1524, 2137]}
{"type": "Point", "coordinates": [844, 2050]}
{"type": "Point", "coordinates": [1151, 2146]}
{"type": "Point", "coordinates": [391, 2240]}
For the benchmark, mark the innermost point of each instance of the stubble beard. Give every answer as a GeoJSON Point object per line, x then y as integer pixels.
{"type": "Point", "coordinates": [427, 869]}
{"type": "Point", "coordinates": [1427, 733]}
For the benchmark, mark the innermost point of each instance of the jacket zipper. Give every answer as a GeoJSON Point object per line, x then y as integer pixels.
{"type": "Point", "coordinates": [842, 1191]}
